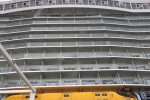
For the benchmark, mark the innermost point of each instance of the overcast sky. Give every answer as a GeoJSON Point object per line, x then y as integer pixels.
{"type": "Point", "coordinates": [4, 0]}
{"type": "Point", "coordinates": [118, 0]}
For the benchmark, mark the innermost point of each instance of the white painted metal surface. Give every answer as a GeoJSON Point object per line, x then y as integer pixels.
{"type": "Point", "coordinates": [14, 91]}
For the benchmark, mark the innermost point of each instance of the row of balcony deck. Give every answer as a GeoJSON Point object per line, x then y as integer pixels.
{"type": "Point", "coordinates": [81, 80]}
{"type": "Point", "coordinates": [73, 21]}
{"type": "Point", "coordinates": [131, 19]}
{"type": "Point", "coordinates": [70, 43]}
{"type": "Point", "coordinates": [77, 67]}
{"type": "Point", "coordinates": [86, 54]}
{"type": "Point", "coordinates": [71, 28]}
{"type": "Point", "coordinates": [72, 35]}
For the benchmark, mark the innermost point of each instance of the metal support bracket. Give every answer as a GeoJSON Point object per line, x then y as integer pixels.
{"type": "Point", "coordinates": [32, 95]}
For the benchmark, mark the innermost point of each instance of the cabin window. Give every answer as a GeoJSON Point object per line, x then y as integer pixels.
{"type": "Point", "coordinates": [97, 94]}
{"type": "Point", "coordinates": [104, 94]}
{"type": "Point", "coordinates": [50, 2]}
{"type": "Point", "coordinates": [29, 96]}
{"type": "Point", "coordinates": [66, 95]}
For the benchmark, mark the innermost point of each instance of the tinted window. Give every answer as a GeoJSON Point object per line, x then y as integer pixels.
{"type": "Point", "coordinates": [97, 94]}
{"type": "Point", "coordinates": [29, 96]}
{"type": "Point", "coordinates": [66, 95]}
{"type": "Point", "coordinates": [104, 94]}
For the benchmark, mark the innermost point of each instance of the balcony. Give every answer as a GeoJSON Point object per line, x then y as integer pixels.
{"type": "Point", "coordinates": [50, 67]}
{"type": "Point", "coordinates": [120, 54]}
{"type": "Point", "coordinates": [11, 84]}
{"type": "Point", "coordinates": [137, 55]}
{"type": "Point", "coordinates": [32, 68]}
{"type": "Point", "coordinates": [74, 35]}
{"type": "Point", "coordinates": [89, 81]}
{"type": "Point", "coordinates": [70, 82]}
{"type": "Point", "coordinates": [85, 54]}
{"type": "Point", "coordinates": [51, 55]}
{"type": "Point", "coordinates": [109, 81]}
{"type": "Point", "coordinates": [34, 19]}
{"type": "Point", "coordinates": [53, 82]}
{"type": "Point", "coordinates": [126, 66]}
{"type": "Point", "coordinates": [69, 67]}
{"type": "Point", "coordinates": [105, 66]}
{"type": "Point", "coordinates": [87, 66]}
{"type": "Point", "coordinates": [147, 81]}
{"type": "Point", "coordinates": [132, 44]}
{"type": "Point", "coordinates": [145, 45]}
{"type": "Point", "coordinates": [130, 81]}
{"type": "Point", "coordinates": [77, 78]}
{"type": "Point", "coordinates": [142, 67]}
{"type": "Point", "coordinates": [73, 27]}
{"type": "Point", "coordinates": [75, 54]}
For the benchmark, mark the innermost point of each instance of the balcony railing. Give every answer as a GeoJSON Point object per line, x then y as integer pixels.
{"type": "Point", "coordinates": [75, 28]}
{"type": "Point", "coordinates": [75, 22]}
{"type": "Point", "coordinates": [37, 3]}
{"type": "Point", "coordinates": [89, 81]}
{"type": "Point", "coordinates": [70, 82]}
{"type": "Point", "coordinates": [109, 81]}
{"type": "Point", "coordinates": [86, 44]}
{"type": "Point", "coordinates": [80, 54]}
{"type": "Point", "coordinates": [130, 81]}
{"type": "Point", "coordinates": [74, 81]}
{"type": "Point", "coordinates": [78, 67]}
{"type": "Point", "coordinates": [92, 36]}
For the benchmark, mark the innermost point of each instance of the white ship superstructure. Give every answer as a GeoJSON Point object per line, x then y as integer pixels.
{"type": "Point", "coordinates": [69, 43]}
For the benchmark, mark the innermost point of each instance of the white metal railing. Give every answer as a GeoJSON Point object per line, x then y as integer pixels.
{"type": "Point", "coordinates": [118, 19]}
{"type": "Point", "coordinates": [105, 66]}
{"type": "Point", "coordinates": [115, 25]}
{"type": "Point", "coordinates": [120, 54]}
{"type": "Point", "coordinates": [32, 68]}
{"type": "Point", "coordinates": [142, 67]}
{"type": "Point", "coordinates": [79, 54]}
{"type": "Point", "coordinates": [52, 82]}
{"type": "Point", "coordinates": [50, 67]}
{"type": "Point", "coordinates": [69, 54]}
{"type": "Point", "coordinates": [124, 29]}
{"type": "Point", "coordinates": [92, 81]}
{"type": "Point", "coordinates": [94, 35]}
{"type": "Point", "coordinates": [74, 81]}
{"type": "Point", "coordinates": [52, 54]}
{"type": "Point", "coordinates": [109, 81]}
{"type": "Point", "coordinates": [147, 81]}
{"type": "Point", "coordinates": [126, 66]}
{"type": "Point", "coordinates": [87, 66]}
{"type": "Point", "coordinates": [68, 43]}
{"type": "Point", "coordinates": [70, 82]}
{"type": "Point", "coordinates": [11, 83]}
{"type": "Point", "coordinates": [60, 67]}
{"type": "Point", "coordinates": [31, 3]}
{"type": "Point", "coordinates": [130, 81]}
{"type": "Point", "coordinates": [69, 67]}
